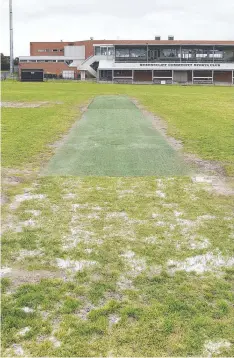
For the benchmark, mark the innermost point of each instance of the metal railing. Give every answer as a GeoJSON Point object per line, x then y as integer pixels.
{"type": "Point", "coordinates": [172, 59]}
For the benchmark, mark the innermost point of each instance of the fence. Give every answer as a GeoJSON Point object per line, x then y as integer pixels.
{"type": "Point", "coordinates": [7, 76]}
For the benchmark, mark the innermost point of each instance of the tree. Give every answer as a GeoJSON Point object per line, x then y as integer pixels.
{"type": "Point", "coordinates": [5, 62]}
{"type": "Point", "coordinates": [16, 61]}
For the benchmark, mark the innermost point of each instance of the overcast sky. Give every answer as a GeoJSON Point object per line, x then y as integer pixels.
{"type": "Point", "coordinates": [70, 20]}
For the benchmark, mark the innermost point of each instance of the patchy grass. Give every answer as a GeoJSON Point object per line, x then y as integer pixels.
{"type": "Point", "coordinates": [101, 266]}
{"type": "Point", "coordinates": [121, 252]}
{"type": "Point", "coordinates": [202, 117]}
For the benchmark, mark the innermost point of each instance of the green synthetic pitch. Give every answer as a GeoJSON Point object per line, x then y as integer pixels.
{"type": "Point", "coordinates": [114, 138]}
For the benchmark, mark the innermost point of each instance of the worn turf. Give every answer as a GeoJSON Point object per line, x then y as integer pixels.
{"type": "Point", "coordinates": [115, 266]}
{"type": "Point", "coordinates": [114, 138]}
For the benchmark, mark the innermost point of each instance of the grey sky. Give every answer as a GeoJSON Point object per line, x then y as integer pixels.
{"type": "Point", "coordinates": [55, 20]}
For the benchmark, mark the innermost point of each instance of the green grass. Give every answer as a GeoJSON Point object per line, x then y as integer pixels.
{"type": "Point", "coordinates": [202, 117]}
{"type": "Point", "coordinates": [29, 131]}
{"type": "Point", "coordinates": [129, 286]}
{"type": "Point", "coordinates": [114, 138]}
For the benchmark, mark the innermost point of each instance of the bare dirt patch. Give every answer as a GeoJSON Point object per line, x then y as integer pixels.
{"type": "Point", "coordinates": [85, 106]}
{"type": "Point", "coordinates": [19, 276]}
{"type": "Point", "coordinates": [56, 343]}
{"type": "Point", "coordinates": [208, 262]}
{"type": "Point", "coordinates": [113, 319]}
{"type": "Point", "coordinates": [22, 104]}
{"type": "Point", "coordinates": [216, 347]}
{"type": "Point", "coordinates": [25, 197]}
{"type": "Point", "coordinates": [27, 309]}
{"type": "Point", "coordinates": [24, 330]}
{"type": "Point", "coordinates": [4, 198]}
{"type": "Point", "coordinates": [22, 254]}
{"type": "Point", "coordinates": [135, 264]}
{"type": "Point", "coordinates": [124, 283]}
{"type": "Point", "coordinates": [83, 312]}
{"type": "Point", "coordinates": [206, 166]}
{"type": "Point", "coordinates": [74, 266]}
{"type": "Point", "coordinates": [11, 180]}
{"type": "Point", "coordinates": [216, 184]}
{"type": "Point", "coordinates": [18, 350]}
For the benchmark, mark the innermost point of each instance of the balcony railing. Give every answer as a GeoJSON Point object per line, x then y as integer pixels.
{"type": "Point", "coordinates": [174, 59]}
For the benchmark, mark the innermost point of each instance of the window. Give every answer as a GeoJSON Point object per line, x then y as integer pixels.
{"type": "Point", "coordinates": [40, 50]}
{"type": "Point", "coordinates": [61, 50]}
{"type": "Point", "coordinates": [97, 50]}
{"type": "Point", "coordinates": [169, 53]}
{"type": "Point", "coordinates": [60, 61]}
{"type": "Point", "coordinates": [55, 50]}
{"type": "Point", "coordinates": [202, 53]}
{"type": "Point", "coordinates": [47, 50]}
{"type": "Point", "coordinates": [216, 54]}
{"type": "Point", "coordinates": [122, 52]}
{"type": "Point", "coordinates": [23, 61]}
{"type": "Point", "coordinates": [138, 52]}
{"type": "Point", "coordinates": [110, 51]}
{"type": "Point", "coordinates": [123, 73]}
{"type": "Point", "coordinates": [104, 51]}
{"type": "Point", "coordinates": [186, 54]}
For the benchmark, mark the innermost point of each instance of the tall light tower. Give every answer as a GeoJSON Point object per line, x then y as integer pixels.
{"type": "Point", "coordinates": [11, 39]}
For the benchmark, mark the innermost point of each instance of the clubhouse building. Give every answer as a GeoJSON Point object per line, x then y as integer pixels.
{"type": "Point", "coordinates": [132, 61]}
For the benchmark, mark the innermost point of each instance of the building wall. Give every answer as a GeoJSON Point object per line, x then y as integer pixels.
{"type": "Point", "coordinates": [202, 73]}
{"type": "Point", "coordinates": [143, 76]}
{"type": "Point", "coordinates": [35, 46]}
{"type": "Point", "coordinates": [180, 76]}
{"type": "Point", "coordinates": [55, 68]}
{"type": "Point", "coordinates": [88, 50]}
{"type": "Point", "coordinates": [163, 73]}
{"type": "Point", "coordinates": [223, 76]}
{"type": "Point", "coordinates": [75, 51]}
{"type": "Point", "coordinates": [189, 73]}
{"type": "Point", "coordinates": [123, 73]}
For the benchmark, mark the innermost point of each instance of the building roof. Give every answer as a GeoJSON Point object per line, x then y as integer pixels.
{"type": "Point", "coordinates": [164, 42]}
{"type": "Point", "coordinates": [144, 42]}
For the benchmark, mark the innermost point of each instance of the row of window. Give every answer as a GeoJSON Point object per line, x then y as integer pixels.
{"type": "Point", "coordinates": [132, 52]}
{"type": "Point", "coordinates": [43, 61]}
{"type": "Point", "coordinates": [51, 50]}
{"type": "Point", "coordinates": [164, 53]}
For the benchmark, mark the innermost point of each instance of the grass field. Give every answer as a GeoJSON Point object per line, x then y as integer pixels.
{"type": "Point", "coordinates": [202, 117]}
{"type": "Point", "coordinates": [115, 266]}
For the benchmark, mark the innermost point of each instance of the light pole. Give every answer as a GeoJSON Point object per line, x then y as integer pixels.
{"type": "Point", "coordinates": [11, 39]}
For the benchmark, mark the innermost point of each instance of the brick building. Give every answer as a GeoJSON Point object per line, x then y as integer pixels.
{"type": "Point", "coordinates": [134, 61]}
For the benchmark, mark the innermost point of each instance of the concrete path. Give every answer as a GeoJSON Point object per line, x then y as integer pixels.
{"type": "Point", "coordinates": [114, 138]}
